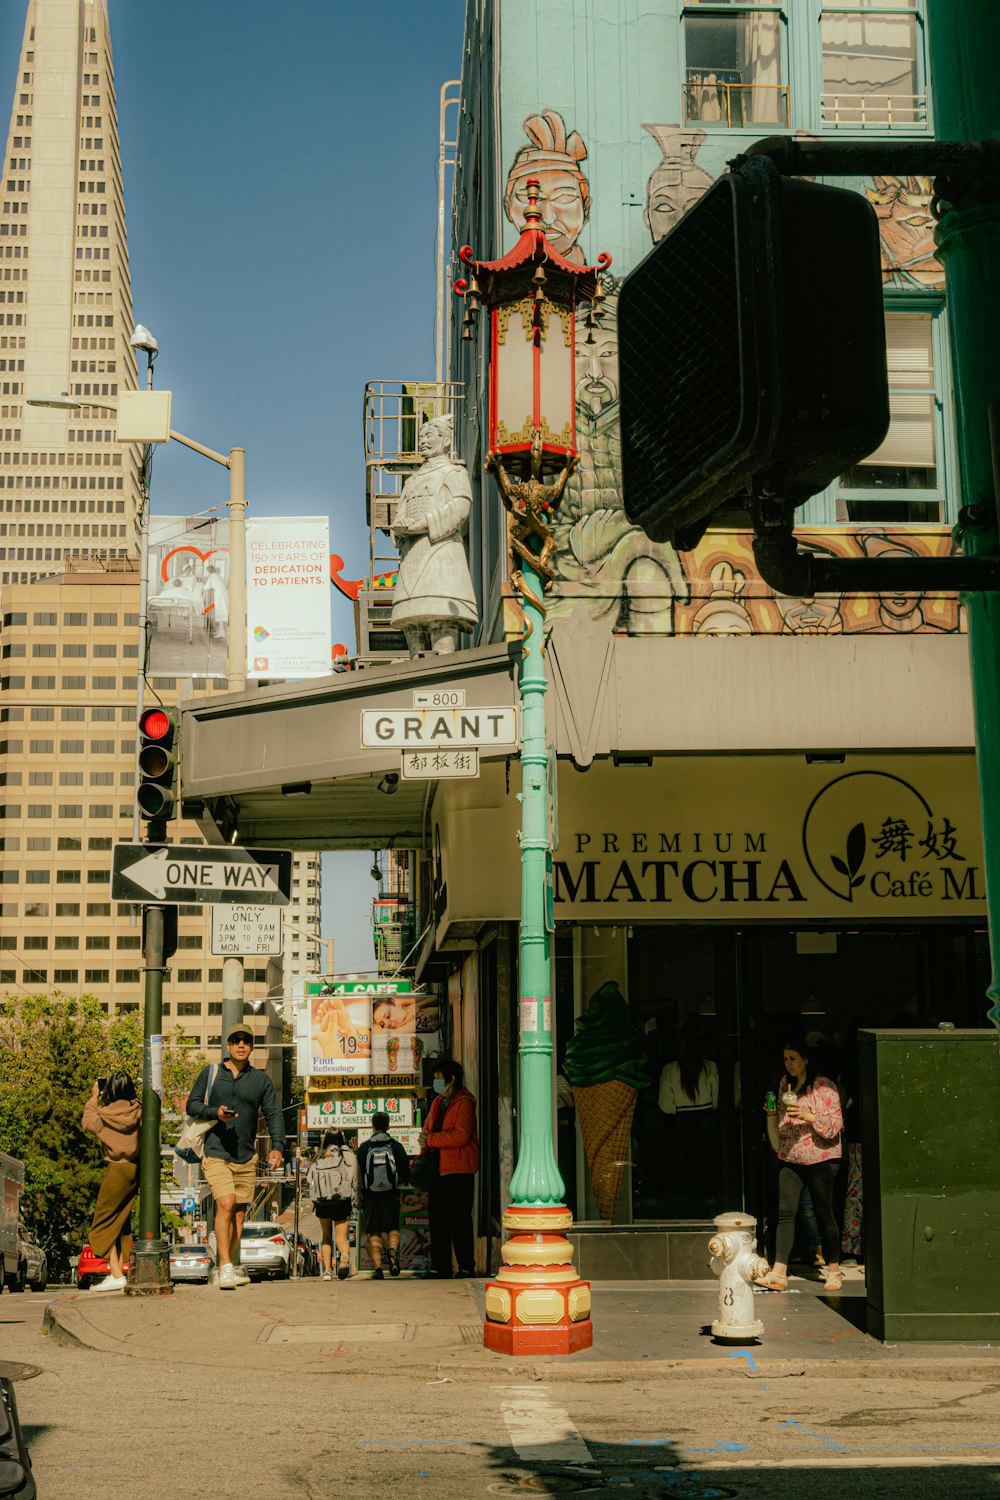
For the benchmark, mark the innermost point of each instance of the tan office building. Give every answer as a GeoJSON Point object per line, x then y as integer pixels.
{"type": "Point", "coordinates": [68, 655]}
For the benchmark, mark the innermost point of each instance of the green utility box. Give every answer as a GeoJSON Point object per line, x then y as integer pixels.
{"type": "Point", "coordinates": [931, 1160]}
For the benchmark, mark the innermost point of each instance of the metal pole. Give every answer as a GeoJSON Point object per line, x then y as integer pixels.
{"type": "Point", "coordinates": [537, 1304]}
{"type": "Point", "coordinates": [152, 1262]}
{"type": "Point", "coordinates": [236, 659]}
{"type": "Point", "coordinates": [964, 42]}
{"type": "Point", "coordinates": [537, 1179]}
{"type": "Point", "coordinates": [439, 257]}
{"type": "Point", "coordinates": [236, 672]}
{"type": "Point", "coordinates": [140, 674]}
{"type": "Point", "coordinates": [296, 1268]}
{"type": "Point", "coordinates": [232, 998]}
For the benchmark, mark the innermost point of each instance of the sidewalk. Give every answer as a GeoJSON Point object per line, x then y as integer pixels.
{"type": "Point", "coordinates": [434, 1329]}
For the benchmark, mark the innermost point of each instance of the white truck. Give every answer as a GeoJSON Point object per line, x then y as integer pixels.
{"type": "Point", "coordinates": [13, 1267]}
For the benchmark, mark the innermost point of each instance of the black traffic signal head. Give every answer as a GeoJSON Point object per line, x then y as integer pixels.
{"type": "Point", "coordinates": [751, 351]}
{"type": "Point", "coordinates": [156, 793]}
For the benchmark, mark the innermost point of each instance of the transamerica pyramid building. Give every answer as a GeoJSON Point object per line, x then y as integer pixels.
{"type": "Point", "coordinates": [66, 487]}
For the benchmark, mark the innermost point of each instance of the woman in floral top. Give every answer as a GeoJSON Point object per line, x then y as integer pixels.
{"type": "Point", "coordinates": [809, 1125]}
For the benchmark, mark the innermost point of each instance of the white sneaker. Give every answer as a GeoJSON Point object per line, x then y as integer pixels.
{"type": "Point", "coordinates": [327, 1275]}
{"type": "Point", "coordinates": [242, 1277]}
{"type": "Point", "coordinates": [111, 1284]}
{"type": "Point", "coordinates": [227, 1278]}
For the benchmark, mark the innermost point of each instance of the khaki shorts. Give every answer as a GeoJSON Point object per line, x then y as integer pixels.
{"type": "Point", "coordinates": [227, 1178]}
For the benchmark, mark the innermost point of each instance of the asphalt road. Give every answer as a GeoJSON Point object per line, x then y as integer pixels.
{"type": "Point", "coordinates": [99, 1424]}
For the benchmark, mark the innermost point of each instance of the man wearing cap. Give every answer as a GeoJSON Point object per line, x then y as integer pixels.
{"type": "Point", "coordinates": [237, 1096]}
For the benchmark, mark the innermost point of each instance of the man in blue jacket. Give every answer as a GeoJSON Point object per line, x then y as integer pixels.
{"type": "Point", "coordinates": [238, 1095]}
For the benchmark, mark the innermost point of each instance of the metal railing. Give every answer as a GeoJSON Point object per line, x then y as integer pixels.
{"type": "Point", "coordinates": [873, 111]}
{"type": "Point", "coordinates": [710, 98]}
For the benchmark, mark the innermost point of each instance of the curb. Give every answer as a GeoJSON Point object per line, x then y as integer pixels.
{"type": "Point", "coordinates": [66, 1323]}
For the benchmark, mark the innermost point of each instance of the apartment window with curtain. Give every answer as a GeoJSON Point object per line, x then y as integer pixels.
{"type": "Point", "coordinates": [873, 65]}
{"type": "Point", "coordinates": [734, 70]}
{"type": "Point", "coordinates": [851, 65]}
{"type": "Point", "coordinates": [904, 480]}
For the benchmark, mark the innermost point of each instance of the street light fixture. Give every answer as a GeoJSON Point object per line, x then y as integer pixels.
{"type": "Point", "coordinates": [537, 1304]}
{"type": "Point", "coordinates": [144, 417]}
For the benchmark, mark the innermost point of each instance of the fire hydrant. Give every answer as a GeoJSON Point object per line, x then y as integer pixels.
{"type": "Point", "coordinates": [735, 1261]}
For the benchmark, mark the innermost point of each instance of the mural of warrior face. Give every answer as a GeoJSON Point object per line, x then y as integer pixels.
{"type": "Point", "coordinates": [563, 194]}
{"type": "Point", "coordinates": [677, 182]}
{"type": "Point", "coordinates": [906, 228]}
{"type": "Point", "coordinates": [597, 363]}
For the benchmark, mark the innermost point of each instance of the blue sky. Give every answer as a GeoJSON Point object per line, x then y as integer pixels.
{"type": "Point", "coordinates": [280, 188]}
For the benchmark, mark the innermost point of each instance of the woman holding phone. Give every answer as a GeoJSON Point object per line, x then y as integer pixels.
{"type": "Point", "coordinates": [805, 1126]}
{"type": "Point", "coordinates": [113, 1113]}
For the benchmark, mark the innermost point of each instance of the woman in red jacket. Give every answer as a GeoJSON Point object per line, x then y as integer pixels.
{"type": "Point", "coordinates": [450, 1131]}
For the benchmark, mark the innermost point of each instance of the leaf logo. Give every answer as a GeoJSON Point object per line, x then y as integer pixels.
{"type": "Point", "coordinates": [854, 859]}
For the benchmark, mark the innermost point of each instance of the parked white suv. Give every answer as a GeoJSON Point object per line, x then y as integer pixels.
{"type": "Point", "coordinates": [35, 1261]}
{"type": "Point", "coordinates": [266, 1250]}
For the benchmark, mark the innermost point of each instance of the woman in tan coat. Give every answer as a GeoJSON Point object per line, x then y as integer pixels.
{"type": "Point", "coordinates": [114, 1117]}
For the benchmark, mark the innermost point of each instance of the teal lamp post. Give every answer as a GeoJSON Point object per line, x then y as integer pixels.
{"type": "Point", "coordinates": [537, 1304]}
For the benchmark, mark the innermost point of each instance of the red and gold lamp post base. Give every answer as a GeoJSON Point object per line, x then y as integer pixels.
{"type": "Point", "coordinates": [537, 1304]}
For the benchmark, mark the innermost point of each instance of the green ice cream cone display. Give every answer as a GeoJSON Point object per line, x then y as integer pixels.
{"type": "Point", "coordinates": [605, 1063]}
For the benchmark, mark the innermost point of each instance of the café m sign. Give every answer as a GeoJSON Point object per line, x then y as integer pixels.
{"type": "Point", "coordinates": [859, 845]}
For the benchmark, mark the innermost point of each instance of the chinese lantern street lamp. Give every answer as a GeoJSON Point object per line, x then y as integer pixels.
{"type": "Point", "coordinates": [537, 1304]}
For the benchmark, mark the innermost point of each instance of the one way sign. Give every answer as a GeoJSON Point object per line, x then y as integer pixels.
{"type": "Point", "coordinates": [168, 873]}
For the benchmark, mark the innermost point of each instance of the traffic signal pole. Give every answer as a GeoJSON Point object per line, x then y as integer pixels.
{"type": "Point", "coordinates": [152, 1257]}
{"type": "Point", "coordinates": [964, 42]}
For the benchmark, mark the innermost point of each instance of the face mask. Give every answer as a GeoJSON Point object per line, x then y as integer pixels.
{"type": "Point", "coordinates": [439, 1085]}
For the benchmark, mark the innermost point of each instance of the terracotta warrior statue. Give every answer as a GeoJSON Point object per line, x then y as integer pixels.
{"type": "Point", "coordinates": [434, 601]}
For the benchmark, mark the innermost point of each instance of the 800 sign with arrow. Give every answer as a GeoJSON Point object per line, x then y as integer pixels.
{"type": "Point", "coordinates": [154, 873]}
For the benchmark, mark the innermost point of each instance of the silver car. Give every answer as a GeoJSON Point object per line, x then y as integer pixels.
{"type": "Point", "coordinates": [34, 1256]}
{"type": "Point", "coordinates": [190, 1262]}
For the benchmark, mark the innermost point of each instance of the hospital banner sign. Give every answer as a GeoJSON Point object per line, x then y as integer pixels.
{"type": "Point", "coordinates": [288, 596]}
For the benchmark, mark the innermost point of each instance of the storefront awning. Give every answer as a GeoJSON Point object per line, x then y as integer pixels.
{"type": "Point", "coordinates": [284, 766]}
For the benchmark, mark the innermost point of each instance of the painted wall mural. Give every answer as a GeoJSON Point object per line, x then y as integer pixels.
{"type": "Point", "coordinates": [727, 596]}
{"type": "Point", "coordinates": [906, 230]}
{"type": "Point", "coordinates": [677, 181]}
{"type": "Point", "coordinates": [606, 563]}
{"type": "Point", "coordinates": [554, 157]}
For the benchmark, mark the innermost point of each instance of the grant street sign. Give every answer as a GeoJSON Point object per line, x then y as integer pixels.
{"type": "Point", "coordinates": [440, 728]}
{"type": "Point", "coordinates": [169, 873]}
{"type": "Point", "coordinates": [434, 765]}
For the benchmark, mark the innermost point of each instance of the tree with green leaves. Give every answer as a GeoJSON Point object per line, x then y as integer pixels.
{"type": "Point", "coordinates": [51, 1051]}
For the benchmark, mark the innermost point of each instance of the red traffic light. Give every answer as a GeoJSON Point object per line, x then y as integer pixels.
{"type": "Point", "coordinates": [155, 724]}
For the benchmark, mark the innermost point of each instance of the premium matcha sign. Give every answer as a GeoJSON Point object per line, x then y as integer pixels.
{"type": "Point", "coordinates": [874, 838]}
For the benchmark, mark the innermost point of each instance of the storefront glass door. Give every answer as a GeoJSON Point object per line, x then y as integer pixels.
{"type": "Point", "coordinates": [714, 1007]}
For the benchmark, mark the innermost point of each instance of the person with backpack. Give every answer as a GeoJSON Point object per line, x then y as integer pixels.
{"type": "Point", "coordinates": [332, 1184]}
{"type": "Point", "coordinates": [383, 1168]}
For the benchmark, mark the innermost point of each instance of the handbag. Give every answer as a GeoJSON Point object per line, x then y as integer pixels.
{"type": "Point", "coordinates": [190, 1144]}
{"type": "Point", "coordinates": [425, 1170]}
